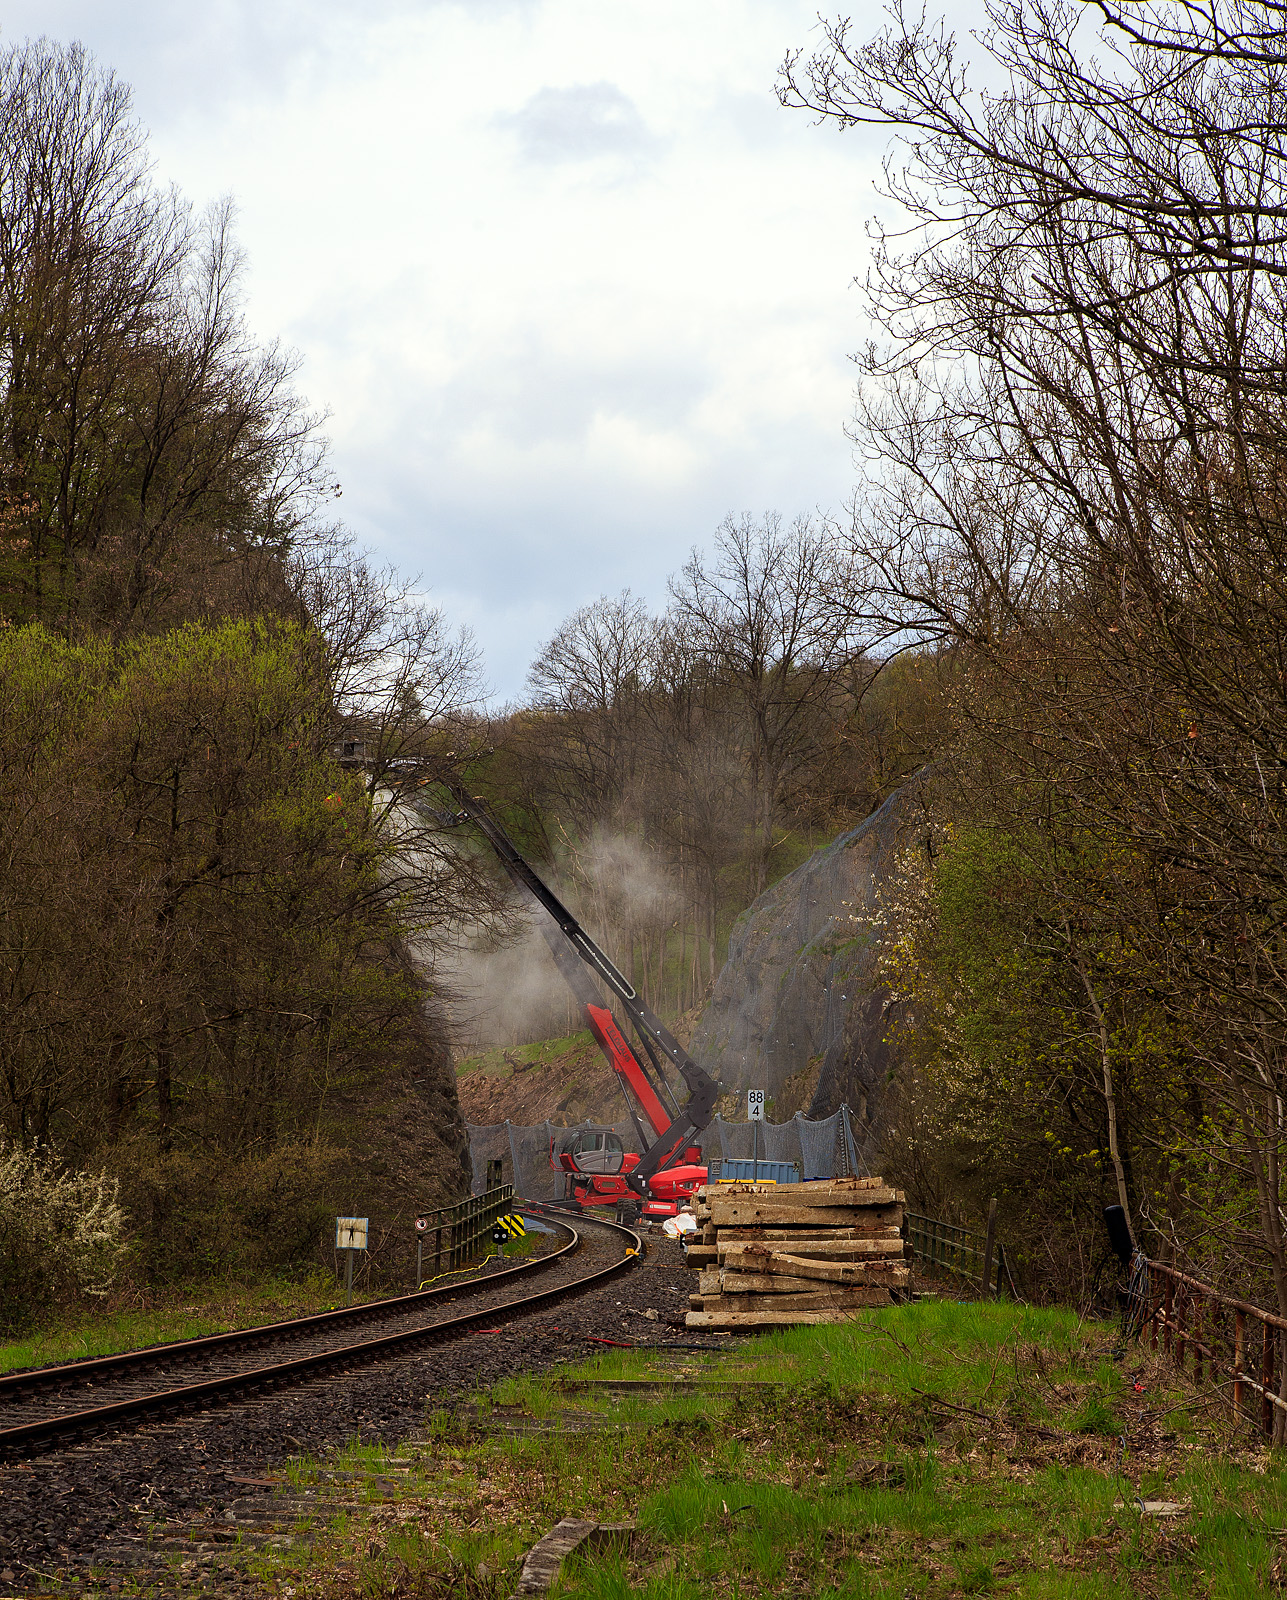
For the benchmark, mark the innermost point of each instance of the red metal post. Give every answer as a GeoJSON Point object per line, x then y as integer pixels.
{"type": "Point", "coordinates": [1170, 1312]}
{"type": "Point", "coordinates": [1239, 1353]}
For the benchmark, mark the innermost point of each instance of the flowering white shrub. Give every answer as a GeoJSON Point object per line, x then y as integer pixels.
{"type": "Point", "coordinates": [61, 1233]}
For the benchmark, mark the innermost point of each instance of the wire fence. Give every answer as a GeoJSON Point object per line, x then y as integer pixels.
{"type": "Point", "coordinates": [529, 1154]}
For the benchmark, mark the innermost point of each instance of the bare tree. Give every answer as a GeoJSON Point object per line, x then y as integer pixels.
{"type": "Point", "coordinates": [402, 679]}
{"type": "Point", "coordinates": [698, 801]}
{"type": "Point", "coordinates": [591, 675]}
{"type": "Point", "coordinates": [143, 431]}
{"type": "Point", "coordinates": [1076, 471]}
{"type": "Point", "coordinates": [758, 615]}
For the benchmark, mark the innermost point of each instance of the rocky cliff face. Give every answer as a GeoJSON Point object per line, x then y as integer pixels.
{"type": "Point", "coordinates": [797, 1010]}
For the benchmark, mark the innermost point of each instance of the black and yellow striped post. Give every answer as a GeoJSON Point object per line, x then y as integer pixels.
{"type": "Point", "coordinates": [510, 1226]}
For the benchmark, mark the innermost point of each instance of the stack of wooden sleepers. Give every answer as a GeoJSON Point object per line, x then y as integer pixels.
{"type": "Point", "coordinates": [773, 1256]}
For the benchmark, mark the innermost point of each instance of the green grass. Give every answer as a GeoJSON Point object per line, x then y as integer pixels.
{"type": "Point", "coordinates": [930, 1450]}
{"type": "Point", "coordinates": [195, 1310]}
{"type": "Point", "coordinates": [538, 1054]}
{"type": "Point", "coordinates": [186, 1312]}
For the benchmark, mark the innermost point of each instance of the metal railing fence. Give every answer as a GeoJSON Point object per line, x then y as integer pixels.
{"type": "Point", "coordinates": [959, 1251]}
{"type": "Point", "coordinates": [461, 1232]}
{"type": "Point", "coordinates": [1227, 1341]}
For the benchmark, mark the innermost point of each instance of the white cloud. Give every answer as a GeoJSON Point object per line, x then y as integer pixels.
{"type": "Point", "coordinates": [581, 123]}
{"type": "Point", "coordinates": [570, 282]}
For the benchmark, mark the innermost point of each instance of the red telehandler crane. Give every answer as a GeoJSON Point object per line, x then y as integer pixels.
{"type": "Point", "coordinates": [600, 1172]}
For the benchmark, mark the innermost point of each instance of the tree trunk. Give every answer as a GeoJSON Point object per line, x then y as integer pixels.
{"type": "Point", "coordinates": [1110, 1099]}
{"type": "Point", "coordinates": [164, 1095]}
{"type": "Point", "coordinates": [115, 1091]}
{"type": "Point", "coordinates": [710, 942]}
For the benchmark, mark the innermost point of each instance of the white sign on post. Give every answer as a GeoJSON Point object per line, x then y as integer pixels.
{"type": "Point", "coordinates": [350, 1233]}
{"type": "Point", "coordinates": [755, 1105]}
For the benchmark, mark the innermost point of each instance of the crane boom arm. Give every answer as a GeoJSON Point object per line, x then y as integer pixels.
{"type": "Point", "coordinates": [603, 1025]}
{"type": "Point", "coordinates": [673, 1135]}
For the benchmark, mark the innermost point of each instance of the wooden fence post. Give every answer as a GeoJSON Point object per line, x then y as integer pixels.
{"type": "Point", "coordinates": [989, 1246]}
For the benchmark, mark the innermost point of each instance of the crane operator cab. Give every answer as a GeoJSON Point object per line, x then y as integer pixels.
{"type": "Point", "coordinates": [593, 1150]}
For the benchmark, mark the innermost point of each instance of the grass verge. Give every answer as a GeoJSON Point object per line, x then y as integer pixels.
{"type": "Point", "coordinates": [499, 1061]}
{"type": "Point", "coordinates": [187, 1311]}
{"type": "Point", "coordinates": [932, 1450]}
{"type": "Point", "coordinates": [191, 1311]}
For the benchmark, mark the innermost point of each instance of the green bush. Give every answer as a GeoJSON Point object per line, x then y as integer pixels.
{"type": "Point", "coordinates": [61, 1234]}
{"type": "Point", "coordinates": [195, 1216]}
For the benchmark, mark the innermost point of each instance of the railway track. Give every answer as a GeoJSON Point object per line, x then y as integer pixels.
{"type": "Point", "coordinates": [45, 1407]}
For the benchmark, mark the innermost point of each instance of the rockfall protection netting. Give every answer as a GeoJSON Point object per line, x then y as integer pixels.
{"type": "Point", "coordinates": [823, 1149]}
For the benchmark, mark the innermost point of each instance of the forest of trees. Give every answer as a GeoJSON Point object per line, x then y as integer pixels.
{"type": "Point", "coordinates": [668, 767]}
{"type": "Point", "coordinates": [1075, 445]}
{"type": "Point", "coordinates": [202, 920]}
{"type": "Point", "coordinates": [1064, 584]}
{"type": "Point", "coordinates": [1060, 596]}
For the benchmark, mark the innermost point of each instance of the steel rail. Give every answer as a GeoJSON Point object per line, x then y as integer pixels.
{"type": "Point", "coordinates": [21, 1440]}
{"type": "Point", "coordinates": [31, 1380]}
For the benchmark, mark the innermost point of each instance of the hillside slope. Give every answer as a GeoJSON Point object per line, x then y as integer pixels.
{"type": "Point", "coordinates": [797, 1009]}
{"type": "Point", "coordinates": [559, 1080]}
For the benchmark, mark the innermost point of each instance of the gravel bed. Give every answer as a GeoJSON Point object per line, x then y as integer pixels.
{"type": "Point", "coordinates": [161, 1505]}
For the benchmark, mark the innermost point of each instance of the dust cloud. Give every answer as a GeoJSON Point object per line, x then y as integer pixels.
{"type": "Point", "coordinates": [506, 989]}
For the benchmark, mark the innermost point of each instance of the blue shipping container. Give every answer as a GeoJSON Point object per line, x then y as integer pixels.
{"type": "Point", "coordinates": [776, 1171]}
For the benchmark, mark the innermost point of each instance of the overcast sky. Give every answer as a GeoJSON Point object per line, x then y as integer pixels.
{"type": "Point", "coordinates": [570, 282]}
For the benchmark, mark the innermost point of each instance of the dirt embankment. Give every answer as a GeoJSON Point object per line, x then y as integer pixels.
{"type": "Point", "coordinates": [557, 1080]}
{"type": "Point", "coordinates": [569, 1084]}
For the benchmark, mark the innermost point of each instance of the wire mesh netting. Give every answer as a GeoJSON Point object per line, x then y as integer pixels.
{"type": "Point", "coordinates": [822, 1149]}
{"type": "Point", "coordinates": [529, 1155]}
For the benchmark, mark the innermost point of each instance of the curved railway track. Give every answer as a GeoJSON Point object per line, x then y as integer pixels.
{"type": "Point", "coordinates": [45, 1406]}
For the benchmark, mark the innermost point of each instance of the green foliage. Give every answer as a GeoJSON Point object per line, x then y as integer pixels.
{"type": "Point", "coordinates": [238, 1217]}
{"type": "Point", "coordinates": [200, 915]}
{"type": "Point", "coordinates": [194, 957]}
{"type": "Point", "coordinates": [1023, 999]}
{"type": "Point", "coordinates": [61, 1234]}
{"type": "Point", "coordinates": [500, 1061]}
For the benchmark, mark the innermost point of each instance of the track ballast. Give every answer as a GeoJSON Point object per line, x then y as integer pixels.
{"type": "Point", "coordinates": [41, 1407]}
